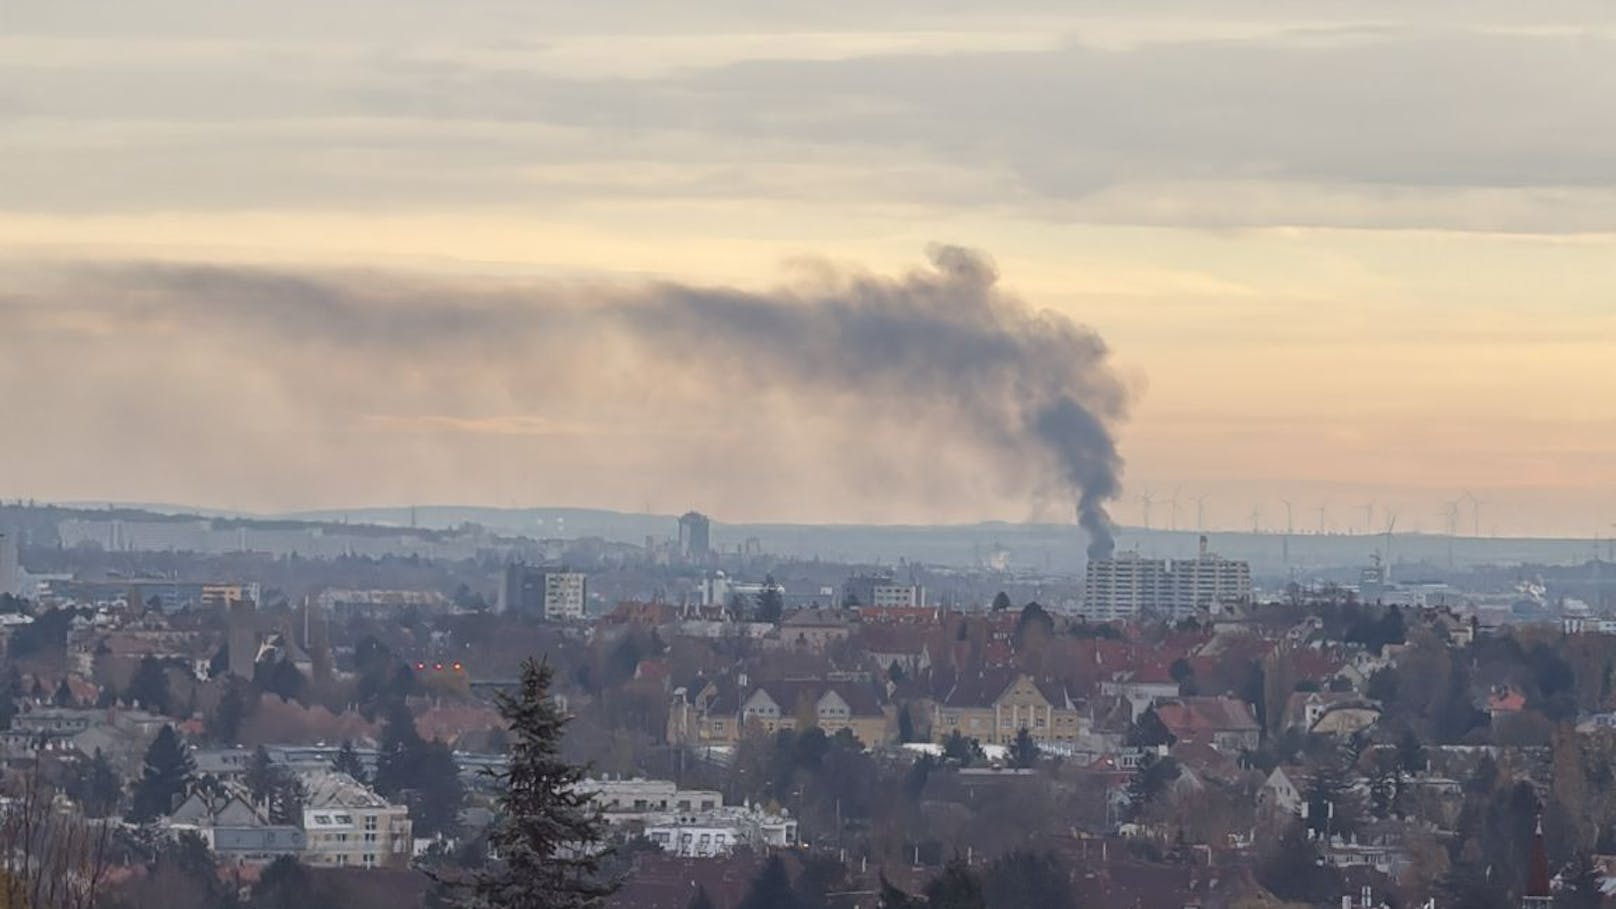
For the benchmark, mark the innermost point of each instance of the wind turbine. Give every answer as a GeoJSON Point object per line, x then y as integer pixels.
{"type": "Point", "coordinates": [1290, 528]}
{"type": "Point", "coordinates": [1256, 519]}
{"type": "Point", "coordinates": [1174, 500]}
{"type": "Point", "coordinates": [1147, 498]}
{"type": "Point", "coordinates": [1200, 513]}
{"type": "Point", "coordinates": [1391, 525]}
{"type": "Point", "coordinates": [1475, 513]}
{"type": "Point", "coordinates": [1369, 517]}
{"type": "Point", "coordinates": [1450, 510]}
{"type": "Point", "coordinates": [1324, 516]}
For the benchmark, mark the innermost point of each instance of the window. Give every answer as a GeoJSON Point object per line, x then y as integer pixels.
{"type": "Point", "coordinates": [370, 860]}
{"type": "Point", "coordinates": [370, 837]}
{"type": "Point", "coordinates": [370, 822]}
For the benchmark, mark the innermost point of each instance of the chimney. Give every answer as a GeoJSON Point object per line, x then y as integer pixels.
{"type": "Point", "coordinates": [1203, 545]}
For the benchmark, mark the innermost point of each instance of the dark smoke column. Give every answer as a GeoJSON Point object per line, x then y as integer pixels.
{"type": "Point", "coordinates": [1032, 388]}
{"type": "Point", "coordinates": [1030, 393]}
{"type": "Point", "coordinates": [1088, 457]}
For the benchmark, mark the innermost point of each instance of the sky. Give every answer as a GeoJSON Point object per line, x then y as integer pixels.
{"type": "Point", "coordinates": [1360, 257]}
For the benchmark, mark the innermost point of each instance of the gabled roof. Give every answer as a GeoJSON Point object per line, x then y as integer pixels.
{"type": "Point", "coordinates": [330, 789]}
{"type": "Point", "coordinates": [790, 696]}
{"type": "Point", "coordinates": [1192, 715]}
{"type": "Point", "coordinates": [984, 689]}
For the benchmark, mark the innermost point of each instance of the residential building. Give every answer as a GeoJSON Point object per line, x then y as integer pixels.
{"type": "Point", "coordinates": [1279, 795]}
{"type": "Point", "coordinates": [628, 801]}
{"type": "Point", "coordinates": [695, 536]}
{"type": "Point", "coordinates": [813, 630]}
{"type": "Point", "coordinates": [710, 834]}
{"type": "Point", "coordinates": [994, 707]}
{"type": "Point", "coordinates": [903, 646]}
{"type": "Point", "coordinates": [881, 592]}
{"type": "Point", "coordinates": [10, 566]}
{"type": "Point", "coordinates": [704, 712]}
{"type": "Point", "coordinates": [341, 603]}
{"type": "Point", "coordinates": [234, 828]}
{"type": "Point", "coordinates": [347, 824]}
{"type": "Point", "coordinates": [830, 706]}
{"type": "Point", "coordinates": [1128, 586]}
{"type": "Point", "coordinates": [548, 593]}
{"type": "Point", "coordinates": [122, 736]}
{"type": "Point", "coordinates": [1140, 689]}
{"type": "Point", "coordinates": [1340, 714]}
{"type": "Point", "coordinates": [1223, 722]}
{"type": "Point", "coordinates": [565, 595]}
{"type": "Point", "coordinates": [897, 596]}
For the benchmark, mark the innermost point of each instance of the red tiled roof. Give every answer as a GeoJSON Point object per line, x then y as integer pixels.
{"type": "Point", "coordinates": [1188, 717]}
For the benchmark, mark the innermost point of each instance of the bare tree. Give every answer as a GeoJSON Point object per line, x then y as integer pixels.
{"type": "Point", "coordinates": [53, 856]}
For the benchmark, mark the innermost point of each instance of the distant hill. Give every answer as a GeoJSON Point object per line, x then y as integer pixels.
{"type": "Point", "coordinates": [1057, 548]}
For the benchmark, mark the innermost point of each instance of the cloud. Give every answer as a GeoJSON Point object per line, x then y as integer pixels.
{"type": "Point", "coordinates": [1331, 122]}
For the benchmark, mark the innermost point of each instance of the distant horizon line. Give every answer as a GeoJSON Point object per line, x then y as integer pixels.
{"type": "Point", "coordinates": [336, 515]}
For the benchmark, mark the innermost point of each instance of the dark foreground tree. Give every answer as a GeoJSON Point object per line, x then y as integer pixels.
{"type": "Point", "coordinates": [1024, 750]}
{"type": "Point", "coordinates": [167, 773]}
{"type": "Point", "coordinates": [348, 761]}
{"type": "Point", "coordinates": [700, 900]}
{"type": "Point", "coordinates": [771, 889]}
{"type": "Point", "coordinates": [893, 898]}
{"type": "Point", "coordinates": [549, 836]}
{"type": "Point", "coordinates": [1025, 878]}
{"type": "Point", "coordinates": [956, 888]}
{"type": "Point", "coordinates": [149, 687]}
{"type": "Point", "coordinates": [99, 787]}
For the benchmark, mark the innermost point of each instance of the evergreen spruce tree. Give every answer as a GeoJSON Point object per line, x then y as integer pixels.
{"type": "Point", "coordinates": [64, 695]}
{"type": "Point", "coordinates": [168, 771]}
{"type": "Point", "coordinates": [225, 724]}
{"type": "Point", "coordinates": [1024, 750]}
{"type": "Point", "coordinates": [149, 687]}
{"type": "Point", "coordinates": [771, 603]}
{"type": "Point", "coordinates": [102, 787]}
{"type": "Point", "coordinates": [549, 835]}
{"type": "Point", "coordinates": [259, 777]}
{"type": "Point", "coordinates": [286, 797]}
{"type": "Point", "coordinates": [347, 761]}
{"type": "Point", "coordinates": [395, 753]}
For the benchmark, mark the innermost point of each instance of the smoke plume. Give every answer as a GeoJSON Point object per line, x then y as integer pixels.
{"type": "Point", "coordinates": [1030, 395]}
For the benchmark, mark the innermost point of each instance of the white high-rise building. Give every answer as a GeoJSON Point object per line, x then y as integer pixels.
{"type": "Point", "coordinates": [565, 593]}
{"type": "Point", "coordinates": [1129, 586]}
{"type": "Point", "coordinates": [897, 596]}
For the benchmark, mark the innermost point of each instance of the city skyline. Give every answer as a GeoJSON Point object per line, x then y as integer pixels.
{"type": "Point", "coordinates": [1311, 288]}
